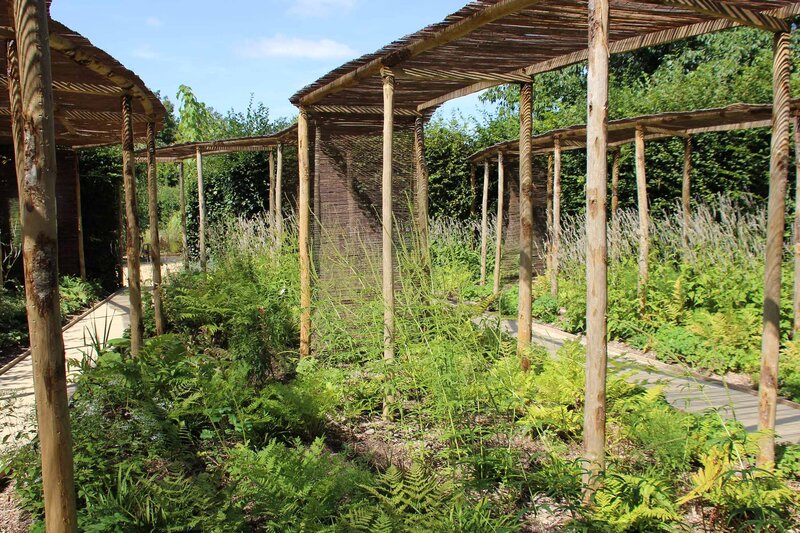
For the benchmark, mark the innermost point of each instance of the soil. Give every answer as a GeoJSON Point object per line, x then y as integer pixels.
{"type": "Point", "coordinates": [12, 518]}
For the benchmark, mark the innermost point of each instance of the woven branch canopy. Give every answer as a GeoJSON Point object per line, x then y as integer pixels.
{"type": "Point", "coordinates": [492, 42]}
{"type": "Point", "coordinates": [261, 143]}
{"type": "Point", "coordinates": [88, 85]}
{"type": "Point", "coordinates": [659, 126]}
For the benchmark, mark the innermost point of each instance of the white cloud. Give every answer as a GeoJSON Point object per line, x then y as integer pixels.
{"type": "Point", "coordinates": [317, 8]}
{"type": "Point", "coordinates": [283, 46]}
{"type": "Point", "coordinates": [153, 22]}
{"type": "Point", "coordinates": [147, 52]}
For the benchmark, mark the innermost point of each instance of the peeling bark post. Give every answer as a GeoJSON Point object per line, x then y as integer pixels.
{"type": "Point", "coordinates": [184, 238]}
{"type": "Point", "coordinates": [498, 254]}
{"type": "Point", "coordinates": [201, 203]}
{"type": "Point", "coordinates": [79, 208]}
{"type": "Point", "coordinates": [272, 215]}
{"type": "Point", "coordinates": [31, 97]}
{"type": "Point", "coordinates": [796, 296]}
{"type": "Point", "coordinates": [686, 191]}
{"type": "Point", "coordinates": [556, 239]}
{"type": "Point", "coordinates": [155, 238]}
{"type": "Point", "coordinates": [594, 424]}
{"type": "Point", "coordinates": [304, 236]}
{"type": "Point", "coordinates": [386, 215]}
{"type": "Point", "coordinates": [644, 221]}
{"type": "Point", "coordinates": [132, 217]}
{"type": "Point", "coordinates": [778, 177]}
{"type": "Point", "coordinates": [615, 192]}
{"type": "Point", "coordinates": [279, 194]}
{"type": "Point", "coordinates": [485, 222]}
{"type": "Point", "coordinates": [525, 223]}
{"type": "Point", "coordinates": [421, 173]}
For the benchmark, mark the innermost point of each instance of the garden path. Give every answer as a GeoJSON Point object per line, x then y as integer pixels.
{"type": "Point", "coordinates": [108, 320]}
{"type": "Point", "coordinates": [683, 389]}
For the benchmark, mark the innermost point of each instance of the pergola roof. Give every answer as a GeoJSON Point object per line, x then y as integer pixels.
{"type": "Point", "coordinates": [659, 126]}
{"type": "Point", "coordinates": [260, 143]}
{"type": "Point", "coordinates": [88, 85]}
{"type": "Point", "coordinates": [491, 42]}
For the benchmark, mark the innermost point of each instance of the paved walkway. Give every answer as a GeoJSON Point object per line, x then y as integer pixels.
{"type": "Point", "coordinates": [107, 321]}
{"type": "Point", "coordinates": [682, 390]}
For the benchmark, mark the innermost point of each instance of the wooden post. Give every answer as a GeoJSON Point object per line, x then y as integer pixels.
{"type": "Point", "coordinates": [549, 214]}
{"type": "Point", "coordinates": [778, 176]}
{"type": "Point", "coordinates": [155, 239]}
{"type": "Point", "coordinates": [615, 191]}
{"type": "Point", "coordinates": [121, 237]}
{"type": "Point", "coordinates": [556, 244]}
{"type": "Point", "coordinates": [422, 188]}
{"type": "Point", "coordinates": [184, 237]}
{"type": "Point", "coordinates": [201, 203]}
{"type": "Point", "coordinates": [272, 215]}
{"type": "Point", "coordinates": [132, 217]}
{"type": "Point", "coordinates": [473, 189]}
{"type": "Point", "coordinates": [686, 191]}
{"type": "Point", "coordinates": [644, 220]}
{"type": "Point", "coordinates": [594, 424]}
{"type": "Point", "coordinates": [386, 215]}
{"type": "Point", "coordinates": [79, 209]}
{"type": "Point", "coordinates": [525, 223]}
{"type": "Point", "coordinates": [33, 130]}
{"type": "Point", "coordinates": [498, 254]}
{"type": "Point", "coordinates": [796, 296]}
{"type": "Point", "coordinates": [304, 235]}
{"type": "Point", "coordinates": [485, 222]}
{"type": "Point", "coordinates": [279, 193]}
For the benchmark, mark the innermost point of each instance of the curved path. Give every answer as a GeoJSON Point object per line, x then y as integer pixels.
{"type": "Point", "coordinates": [683, 389]}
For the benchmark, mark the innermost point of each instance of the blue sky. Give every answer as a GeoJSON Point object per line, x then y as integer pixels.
{"type": "Point", "coordinates": [227, 51]}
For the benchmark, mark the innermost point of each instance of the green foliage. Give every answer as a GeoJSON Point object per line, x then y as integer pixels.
{"type": "Point", "coordinates": [628, 502]}
{"type": "Point", "coordinates": [76, 294]}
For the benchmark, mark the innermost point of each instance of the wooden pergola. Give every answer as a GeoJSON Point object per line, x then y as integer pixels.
{"type": "Point", "coordinates": [492, 42]}
{"type": "Point", "coordinates": [178, 153]}
{"type": "Point", "coordinates": [62, 90]}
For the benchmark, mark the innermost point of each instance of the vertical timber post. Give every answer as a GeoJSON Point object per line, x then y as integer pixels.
{"type": "Point", "coordinates": [201, 204]}
{"type": "Point", "coordinates": [121, 236]}
{"type": "Point", "coordinates": [594, 424]}
{"type": "Point", "coordinates": [79, 209]}
{"type": "Point", "coordinates": [272, 212]}
{"type": "Point", "coordinates": [498, 252]}
{"type": "Point", "coordinates": [778, 177]}
{"type": "Point", "coordinates": [184, 237]}
{"type": "Point", "coordinates": [644, 220]}
{"type": "Point", "coordinates": [473, 189]}
{"type": "Point", "coordinates": [279, 194]}
{"type": "Point", "coordinates": [615, 192]}
{"type": "Point", "coordinates": [796, 296]}
{"type": "Point", "coordinates": [386, 215]}
{"type": "Point", "coordinates": [485, 222]}
{"type": "Point", "coordinates": [686, 191]}
{"type": "Point", "coordinates": [155, 239]}
{"type": "Point", "coordinates": [525, 223]}
{"type": "Point", "coordinates": [556, 244]}
{"type": "Point", "coordinates": [422, 189]}
{"type": "Point", "coordinates": [549, 214]}
{"type": "Point", "coordinates": [304, 235]}
{"type": "Point", "coordinates": [132, 217]}
{"type": "Point", "coordinates": [33, 129]}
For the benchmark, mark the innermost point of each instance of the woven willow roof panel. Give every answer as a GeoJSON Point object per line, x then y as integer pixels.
{"type": "Point", "coordinates": [531, 36]}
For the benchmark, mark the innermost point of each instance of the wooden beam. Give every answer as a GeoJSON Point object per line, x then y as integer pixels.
{"type": "Point", "coordinates": [33, 132]}
{"type": "Point", "coordinates": [498, 254]}
{"type": "Point", "coordinates": [525, 224]}
{"type": "Point", "coordinates": [644, 221]}
{"type": "Point", "coordinates": [304, 234]}
{"type": "Point", "coordinates": [421, 173]}
{"type": "Point", "coordinates": [556, 223]}
{"type": "Point", "coordinates": [184, 236]}
{"type": "Point", "coordinates": [155, 240]}
{"type": "Point", "coordinates": [594, 423]}
{"type": "Point", "coordinates": [201, 204]}
{"type": "Point", "coordinates": [778, 177]}
{"type": "Point", "coordinates": [459, 75]}
{"type": "Point", "coordinates": [279, 194]}
{"type": "Point", "coordinates": [686, 191]}
{"type": "Point", "coordinates": [728, 11]}
{"type": "Point", "coordinates": [498, 10]}
{"type": "Point", "coordinates": [360, 110]}
{"type": "Point", "coordinates": [485, 222]}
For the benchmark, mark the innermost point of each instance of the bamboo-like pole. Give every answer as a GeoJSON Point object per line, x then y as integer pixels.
{"type": "Point", "coordinates": [686, 190]}
{"type": "Point", "coordinates": [79, 209]}
{"type": "Point", "coordinates": [272, 186]}
{"type": "Point", "coordinates": [556, 239]}
{"type": "Point", "coordinates": [594, 424]}
{"type": "Point", "coordinates": [796, 295]}
{"type": "Point", "coordinates": [304, 236]}
{"type": "Point", "coordinates": [498, 253]}
{"type": "Point", "coordinates": [778, 177]}
{"type": "Point", "coordinates": [422, 188]}
{"type": "Point", "coordinates": [386, 215]}
{"type": "Point", "coordinates": [201, 203]}
{"type": "Point", "coordinates": [132, 217]}
{"type": "Point", "coordinates": [33, 130]}
{"type": "Point", "coordinates": [485, 222]}
{"type": "Point", "coordinates": [155, 239]}
{"type": "Point", "coordinates": [525, 223]}
{"type": "Point", "coordinates": [644, 220]}
{"type": "Point", "coordinates": [615, 191]}
{"type": "Point", "coordinates": [279, 192]}
{"type": "Point", "coordinates": [184, 237]}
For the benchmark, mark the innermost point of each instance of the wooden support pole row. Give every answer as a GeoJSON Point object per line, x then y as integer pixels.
{"type": "Point", "coordinates": [33, 132]}
{"type": "Point", "coordinates": [525, 223]}
{"type": "Point", "coordinates": [155, 240]}
{"type": "Point", "coordinates": [485, 222]}
{"type": "Point", "coordinates": [498, 254]}
{"type": "Point", "coordinates": [644, 221]}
